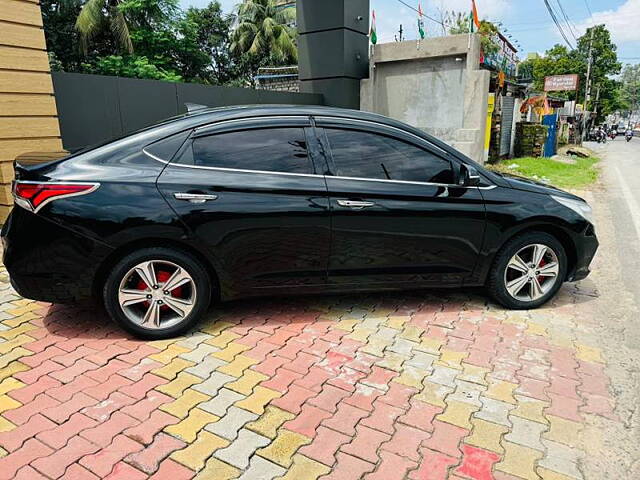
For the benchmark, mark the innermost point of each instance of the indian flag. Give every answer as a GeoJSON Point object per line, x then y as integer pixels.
{"type": "Point", "coordinates": [372, 34]}
{"type": "Point", "coordinates": [420, 22]}
{"type": "Point", "coordinates": [473, 17]}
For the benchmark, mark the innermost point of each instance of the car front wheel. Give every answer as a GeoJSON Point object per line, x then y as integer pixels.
{"type": "Point", "coordinates": [157, 293]}
{"type": "Point", "coordinates": [528, 271]}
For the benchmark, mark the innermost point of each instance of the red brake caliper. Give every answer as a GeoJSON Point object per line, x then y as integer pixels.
{"type": "Point", "coordinates": [542, 264]}
{"type": "Point", "coordinates": [161, 276]}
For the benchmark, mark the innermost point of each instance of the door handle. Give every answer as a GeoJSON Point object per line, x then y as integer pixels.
{"type": "Point", "coordinates": [195, 197]}
{"type": "Point", "coordinates": [355, 204]}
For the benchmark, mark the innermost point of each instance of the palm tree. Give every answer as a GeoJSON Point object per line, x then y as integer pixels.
{"type": "Point", "coordinates": [99, 15]}
{"type": "Point", "coordinates": [264, 29]}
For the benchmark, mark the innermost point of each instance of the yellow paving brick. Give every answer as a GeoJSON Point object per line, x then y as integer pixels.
{"type": "Point", "coordinates": [519, 461]}
{"type": "Point", "coordinates": [20, 320]}
{"type": "Point", "coordinates": [564, 431]}
{"type": "Point", "coordinates": [429, 345]}
{"type": "Point", "coordinates": [171, 369]}
{"type": "Point", "coordinates": [238, 366]}
{"type": "Point", "coordinates": [6, 347]}
{"type": "Point", "coordinates": [375, 346]}
{"type": "Point", "coordinates": [397, 322]}
{"type": "Point", "coordinates": [283, 447]}
{"type": "Point", "coordinates": [184, 403]}
{"type": "Point", "coordinates": [168, 354]}
{"type": "Point", "coordinates": [515, 319]}
{"type": "Point", "coordinates": [188, 428]}
{"type": "Point", "coordinates": [452, 359]}
{"type": "Point", "coordinates": [222, 340]}
{"type": "Point", "coordinates": [551, 475]}
{"type": "Point", "coordinates": [3, 452]}
{"type": "Point", "coordinates": [458, 413]}
{"type": "Point", "coordinates": [14, 332]}
{"type": "Point", "coordinates": [486, 435]}
{"type": "Point", "coordinates": [536, 329]}
{"type": "Point", "coordinates": [8, 403]}
{"type": "Point", "coordinates": [15, 354]}
{"type": "Point", "coordinates": [195, 455]}
{"type": "Point", "coordinates": [269, 423]}
{"type": "Point", "coordinates": [501, 390]}
{"type": "Point", "coordinates": [9, 384]}
{"type": "Point", "coordinates": [433, 394]}
{"type": "Point", "coordinates": [347, 324]}
{"type": "Point", "coordinates": [22, 302]}
{"type": "Point", "coordinates": [531, 409]}
{"type": "Point", "coordinates": [561, 341]}
{"type": "Point", "coordinates": [304, 468]}
{"type": "Point", "coordinates": [412, 377]}
{"type": "Point", "coordinates": [588, 354]}
{"type": "Point", "coordinates": [361, 334]}
{"type": "Point", "coordinates": [412, 333]}
{"type": "Point", "coordinates": [474, 374]}
{"type": "Point", "coordinates": [230, 351]}
{"type": "Point", "coordinates": [12, 369]}
{"type": "Point", "coordinates": [162, 344]}
{"type": "Point", "coordinates": [23, 309]}
{"type": "Point", "coordinates": [217, 327]}
{"type": "Point", "coordinates": [391, 361]}
{"type": "Point", "coordinates": [218, 470]}
{"type": "Point", "coordinates": [175, 387]}
{"type": "Point", "coordinates": [247, 382]}
{"type": "Point", "coordinates": [6, 425]}
{"type": "Point", "coordinates": [256, 402]}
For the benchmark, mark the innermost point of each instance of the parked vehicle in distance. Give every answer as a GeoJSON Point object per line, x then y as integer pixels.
{"type": "Point", "coordinates": [270, 200]}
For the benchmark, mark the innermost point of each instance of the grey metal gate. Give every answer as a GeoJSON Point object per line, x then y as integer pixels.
{"type": "Point", "coordinates": [508, 104]}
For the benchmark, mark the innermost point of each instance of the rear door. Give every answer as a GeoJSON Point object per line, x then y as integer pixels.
{"type": "Point", "coordinates": [251, 193]}
{"type": "Point", "coordinates": [398, 217]}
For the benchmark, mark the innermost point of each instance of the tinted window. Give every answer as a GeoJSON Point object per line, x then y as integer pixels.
{"type": "Point", "coordinates": [166, 148]}
{"type": "Point", "coordinates": [270, 149]}
{"type": "Point", "coordinates": [369, 155]}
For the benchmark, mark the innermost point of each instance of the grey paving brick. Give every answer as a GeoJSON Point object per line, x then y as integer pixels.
{"type": "Point", "coordinates": [467, 392]}
{"type": "Point", "coordinates": [402, 346]}
{"type": "Point", "coordinates": [239, 452]}
{"type": "Point", "coordinates": [262, 469]}
{"type": "Point", "coordinates": [444, 376]}
{"type": "Point", "coordinates": [219, 404]}
{"type": "Point", "coordinates": [526, 433]}
{"type": "Point", "coordinates": [421, 360]}
{"type": "Point", "coordinates": [199, 352]}
{"type": "Point", "coordinates": [229, 425]}
{"type": "Point", "coordinates": [494, 411]}
{"type": "Point", "coordinates": [206, 368]}
{"type": "Point", "coordinates": [561, 459]}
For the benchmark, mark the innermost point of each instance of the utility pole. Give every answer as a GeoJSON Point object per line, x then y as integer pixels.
{"type": "Point", "coordinates": [587, 89]}
{"type": "Point", "coordinates": [399, 39]}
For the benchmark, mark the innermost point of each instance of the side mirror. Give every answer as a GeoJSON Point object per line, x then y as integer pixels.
{"type": "Point", "coordinates": [469, 176]}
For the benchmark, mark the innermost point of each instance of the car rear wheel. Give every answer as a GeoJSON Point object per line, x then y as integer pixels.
{"type": "Point", "coordinates": [528, 271]}
{"type": "Point", "coordinates": [157, 293]}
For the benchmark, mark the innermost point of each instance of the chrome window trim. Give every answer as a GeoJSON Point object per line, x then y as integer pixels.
{"type": "Point", "coordinates": [27, 205]}
{"type": "Point", "coordinates": [371, 122]}
{"type": "Point", "coordinates": [212, 126]}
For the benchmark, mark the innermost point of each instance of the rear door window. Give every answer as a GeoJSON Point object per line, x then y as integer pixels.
{"type": "Point", "coordinates": [266, 149]}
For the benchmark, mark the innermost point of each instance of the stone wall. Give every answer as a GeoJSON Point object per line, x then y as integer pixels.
{"type": "Point", "coordinates": [435, 85]}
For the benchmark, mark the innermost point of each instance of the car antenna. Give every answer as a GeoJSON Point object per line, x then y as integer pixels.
{"type": "Point", "coordinates": [194, 107]}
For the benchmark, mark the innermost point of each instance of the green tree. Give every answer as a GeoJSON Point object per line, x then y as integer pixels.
{"type": "Point", "coordinates": [98, 16]}
{"type": "Point", "coordinates": [264, 35]}
{"type": "Point", "coordinates": [459, 23]}
{"type": "Point", "coordinates": [630, 87]}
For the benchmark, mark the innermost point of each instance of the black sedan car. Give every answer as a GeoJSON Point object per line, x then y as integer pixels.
{"type": "Point", "coordinates": [246, 201]}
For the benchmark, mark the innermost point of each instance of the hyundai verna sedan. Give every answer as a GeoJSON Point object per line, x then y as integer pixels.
{"type": "Point", "coordinates": [246, 201]}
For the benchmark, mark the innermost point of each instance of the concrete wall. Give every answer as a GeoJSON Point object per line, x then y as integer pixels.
{"type": "Point", "coordinates": [27, 109]}
{"type": "Point", "coordinates": [435, 85]}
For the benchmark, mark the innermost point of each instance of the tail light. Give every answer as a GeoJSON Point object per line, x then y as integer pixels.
{"type": "Point", "coordinates": [35, 195]}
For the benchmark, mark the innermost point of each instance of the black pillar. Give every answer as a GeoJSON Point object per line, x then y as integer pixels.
{"type": "Point", "coordinates": [333, 49]}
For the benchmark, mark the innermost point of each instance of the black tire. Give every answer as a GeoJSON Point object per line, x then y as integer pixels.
{"type": "Point", "coordinates": [194, 268]}
{"type": "Point", "coordinates": [496, 282]}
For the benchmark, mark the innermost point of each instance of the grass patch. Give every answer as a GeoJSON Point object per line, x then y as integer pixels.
{"type": "Point", "coordinates": [584, 172]}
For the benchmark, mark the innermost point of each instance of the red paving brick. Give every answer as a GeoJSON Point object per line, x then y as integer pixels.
{"type": "Point", "coordinates": [325, 445]}
{"type": "Point", "coordinates": [149, 459]}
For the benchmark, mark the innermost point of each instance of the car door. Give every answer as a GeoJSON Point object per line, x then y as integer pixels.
{"type": "Point", "coordinates": [251, 194]}
{"type": "Point", "coordinates": [398, 216]}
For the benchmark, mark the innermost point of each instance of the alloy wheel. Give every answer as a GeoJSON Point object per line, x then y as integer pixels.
{"type": "Point", "coordinates": [532, 272]}
{"type": "Point", "coordinates": [157, 294]}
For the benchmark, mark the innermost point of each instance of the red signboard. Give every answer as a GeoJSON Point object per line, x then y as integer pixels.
{"type": "Point", "coordinates": [560, 83]}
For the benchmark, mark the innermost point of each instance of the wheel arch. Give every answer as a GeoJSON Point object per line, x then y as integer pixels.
{"type": "Point", "coordinates": [112, 259]}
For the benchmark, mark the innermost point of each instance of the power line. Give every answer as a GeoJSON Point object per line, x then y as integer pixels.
{"type": "Point", "coordinates": [555, 20]}
{"type": "Point", "coordinates": [586, 2]}
{"type": "Point", "coordinates": [567, 21]}
{"type": "Point", "coordinates": [418, 11]}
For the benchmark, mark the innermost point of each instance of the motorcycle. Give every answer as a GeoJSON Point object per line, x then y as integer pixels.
{"type": "Point", "coordinates": [613, 134]}
{"type": "Point", "coordinates": [628, 136]}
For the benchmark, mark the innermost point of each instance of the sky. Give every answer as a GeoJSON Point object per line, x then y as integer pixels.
{"type": "Point", "coordinates": [527, 21]}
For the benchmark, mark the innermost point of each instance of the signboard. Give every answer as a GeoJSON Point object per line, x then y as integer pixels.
{"type": "Point", "coordinates": [491, 105]}
{"type": "Point", "coordinates": [560, 83]}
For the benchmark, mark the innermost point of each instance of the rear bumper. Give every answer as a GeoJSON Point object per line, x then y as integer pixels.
{"type": "Point", "coordinates": [47, 261]}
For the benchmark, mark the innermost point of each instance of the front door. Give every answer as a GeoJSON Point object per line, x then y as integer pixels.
{"type": "Point", "coordinates": [398, 217]}
{"type": "Point", "coordinates": [251, 194]}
